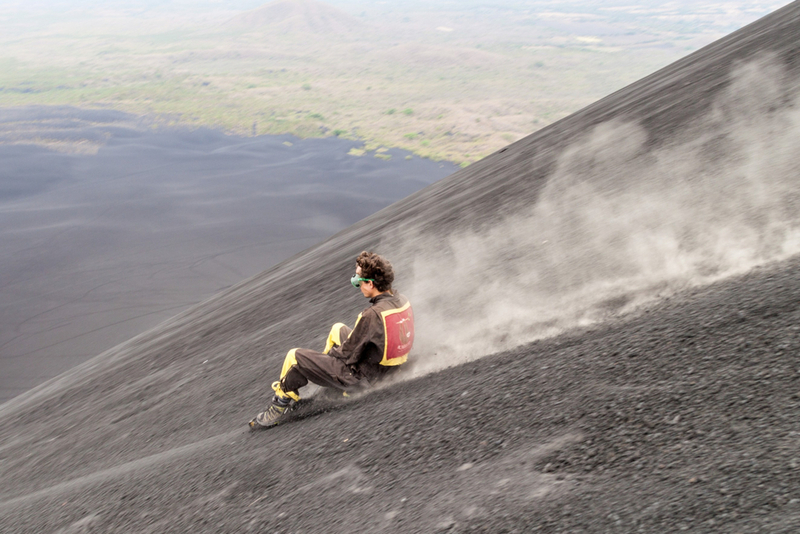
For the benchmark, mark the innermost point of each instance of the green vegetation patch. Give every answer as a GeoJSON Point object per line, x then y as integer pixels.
{"type": "Point", "coordinates": [455, 101]}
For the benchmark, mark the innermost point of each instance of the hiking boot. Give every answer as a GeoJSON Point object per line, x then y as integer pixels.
{"type": "Point", "coordinates": [272, 415]}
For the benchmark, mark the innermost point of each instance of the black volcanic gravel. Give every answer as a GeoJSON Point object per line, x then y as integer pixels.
{"type": "Point", "coordinates": [684, 416]}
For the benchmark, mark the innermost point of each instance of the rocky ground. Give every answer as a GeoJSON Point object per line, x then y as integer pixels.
{"type": "Point", "coordinates": [682, 415]}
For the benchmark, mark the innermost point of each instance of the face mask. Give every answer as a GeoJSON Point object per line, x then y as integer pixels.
{"type": "Point", "coordinates": [356, 280]}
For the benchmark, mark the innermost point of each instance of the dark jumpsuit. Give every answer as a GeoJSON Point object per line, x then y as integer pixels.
{"type": "Point", "coordinates": [352, 359]}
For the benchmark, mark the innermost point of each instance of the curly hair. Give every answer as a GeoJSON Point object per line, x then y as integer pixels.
{"type": "Point", "coordinates": [377, 268]}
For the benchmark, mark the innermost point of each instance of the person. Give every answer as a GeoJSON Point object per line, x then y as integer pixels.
{"type": "Point", "coordinates": [353, 359]}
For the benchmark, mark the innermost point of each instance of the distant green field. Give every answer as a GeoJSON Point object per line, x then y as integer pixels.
{"type": "Point", "coordinates": [438, 94]}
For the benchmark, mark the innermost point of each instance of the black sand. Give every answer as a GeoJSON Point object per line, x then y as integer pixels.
{"type": "Point", "coordinates": [680, 417]}
{"type": "Point", "coordinates": [98, 248]}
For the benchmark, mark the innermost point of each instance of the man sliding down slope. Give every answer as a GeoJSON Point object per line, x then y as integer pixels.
{"type": "Point", "coordinates": [353, 359]}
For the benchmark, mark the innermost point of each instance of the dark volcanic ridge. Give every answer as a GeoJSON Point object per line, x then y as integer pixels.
{"type": "Point", "coordinates": [673, 200]}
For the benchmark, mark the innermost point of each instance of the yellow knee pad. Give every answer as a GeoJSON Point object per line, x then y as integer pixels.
{"type": "Point", "coordinates": [288, 362]}
{"type": "Point", "coordinates": [334, 337]}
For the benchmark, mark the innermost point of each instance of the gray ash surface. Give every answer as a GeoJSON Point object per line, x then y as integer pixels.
{"type": "Point", "coordinates": [682, 415]}
{"type": "Point", "coordinates": [98, 247]}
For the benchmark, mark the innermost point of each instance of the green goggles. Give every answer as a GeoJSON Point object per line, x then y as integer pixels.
{"type": "Point", "coordinates": [356, 280]}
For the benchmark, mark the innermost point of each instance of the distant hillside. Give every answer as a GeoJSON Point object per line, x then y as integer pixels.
{"type": "Point", "coordinates": [297, 16]}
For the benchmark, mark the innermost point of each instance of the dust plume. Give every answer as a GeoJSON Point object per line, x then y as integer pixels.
{"type": "Point", "coordinates": [619, 223]}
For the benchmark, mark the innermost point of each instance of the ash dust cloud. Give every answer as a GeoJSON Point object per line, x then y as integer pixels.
{"type": "Point", "coordinates": [618, 224]}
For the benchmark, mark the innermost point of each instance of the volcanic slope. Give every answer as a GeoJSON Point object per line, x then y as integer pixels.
{"type": "Point", "coordinates": [681, 414]}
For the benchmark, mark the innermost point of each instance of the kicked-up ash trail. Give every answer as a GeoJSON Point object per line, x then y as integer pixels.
{"type": "Point", "coordinates": [607, 342]}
